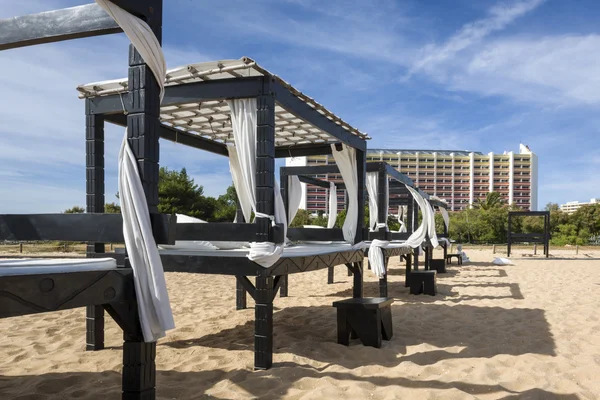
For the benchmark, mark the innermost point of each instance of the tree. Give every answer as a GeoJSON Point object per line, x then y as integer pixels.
{"type": "Point", "coordinates": [112, 208]}
{"type": "Point", "coordinates": [226, 206]}
{"type": "Point", "coordinates": [74, 210]}
{"type": "Point", "coordinates": [178, 194]}
{"type": "Point", "coordinates": [302, 217]}
{"type": "Point", "coordinates": [492, 199]}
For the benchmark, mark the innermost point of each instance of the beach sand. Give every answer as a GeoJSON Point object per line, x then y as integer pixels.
{"type": "Point", "coordinates": [525, 331]}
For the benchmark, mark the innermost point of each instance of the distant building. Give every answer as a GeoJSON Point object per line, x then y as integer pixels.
{"type": "Point", "coordinates": [573, 206]}
{"type": "Point", "coordinates": [459, 177]}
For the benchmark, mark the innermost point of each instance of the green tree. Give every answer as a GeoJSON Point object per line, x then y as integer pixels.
{"type": "Point", "coordinates": [74, 210]}
{"type": "Point", "coordinates": [226, 206]}
{"type": "Point", "coordinates": [492, 199]}
{"type": "Point", "coordinates": [178, 193]}
{"type": "Point", "coordinates": [112, 208]}
{"type": "Point", "coordinates": [302, 218]}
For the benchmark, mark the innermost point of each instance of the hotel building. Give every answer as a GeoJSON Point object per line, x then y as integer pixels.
{"type": "Point", "coordinates": [459, 177]}
{"type": "Point", "coordinates": [572, 206]}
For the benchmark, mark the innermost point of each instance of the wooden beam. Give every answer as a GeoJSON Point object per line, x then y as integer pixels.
{"type": "Point", "coordinates": [55, 26]}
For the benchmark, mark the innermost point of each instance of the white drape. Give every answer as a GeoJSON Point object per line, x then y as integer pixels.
{"type": "Point", "coordinates": [372, 189]}
{"type": "Point", "coordinates": [154, 308]}
{"type": "Point", "coordinates": [402, 210]}
{"type": "Point", "coordinates": [333, 205]}
{"type": "Point", "coordinates": [243, 121]}
{"type": "Point", "coordinates": [431, 225]}
{"type": "Point", "coordinates": [346, 162]}
{"type": "Point", "coordinates": [446, 217]}
{"type": "Point", "coordinates": [376, 258]}
{"type": "Point", "coordinates": [294, 196]}
{"type": "Point", "coordinates": [238, 182]}
{"type": "Point", "coordinates": [418, 236]}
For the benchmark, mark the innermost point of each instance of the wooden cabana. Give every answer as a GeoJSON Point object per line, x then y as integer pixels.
{"type": "Point", "coordinates": [385, 174]}
{"type": "Point", "coordinates": [101, 282]}
{"type": "Point", "coordinates": [196, 112]}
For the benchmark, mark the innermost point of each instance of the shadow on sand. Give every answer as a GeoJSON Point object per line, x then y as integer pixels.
{"type": "Point", "coordinates": [272, 384]}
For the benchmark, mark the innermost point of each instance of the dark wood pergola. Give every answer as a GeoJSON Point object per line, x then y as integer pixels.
{"type": "Point", "coordinates": [396, 192]}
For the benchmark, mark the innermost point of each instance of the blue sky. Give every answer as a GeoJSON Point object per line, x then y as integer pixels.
{"type": "Point", "coordinates": [475, 75]}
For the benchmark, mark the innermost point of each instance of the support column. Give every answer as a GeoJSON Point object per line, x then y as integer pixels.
{"type": "Point", "coordinates": [263, 323]}
{"type": "Point", "coordinates": [383, 284]}
{"type": "Point", "coordinates": [382, 198]}
{"type": "Point", "coordinates": [94, 151]}
{"type": "Point", "coordinates": [139, 368]}
{"type": "Point", "coordinates": [283, 289]}
{"type": "Point", "coordinates": [240, 296]}
{"type": "Point", "coordinates": [361, 173]}
{"type": "Point", "coordinates": [408, 269]}
{"type": "Point", "coordinates": [357, 288]}
{"type": "Point", "coordinates": [330, 274]}
{"type": "Point", "coordinates": [265, 160]}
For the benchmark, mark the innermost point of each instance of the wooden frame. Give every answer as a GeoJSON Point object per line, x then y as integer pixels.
{"type": "Point", "coordinates": [543, 238]}
{"type": "Point", "coordinates": [270, 92]}
{"type": "Point", "coordinates": [385, 172]}
{"type": "Point", "coordinates": [112, 290]}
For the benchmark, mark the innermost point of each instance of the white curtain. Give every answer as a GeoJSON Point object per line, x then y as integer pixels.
{"type": "Point", "coordinates": [376, 258]}
{"type": "Point", "coordinates": [431, 225]}
{"type": "Point", "coordinates": [243, 121]}
{"type": "Point", "coordinates": [346, 162]}
{"type": "Point", "coordinates": [333, 205]}
{"type": "Point", "coordinates": [238, 182]}
{"type": "Point", "coordinates": [446, 217]}
{"type": "Point", "coordinates": [372, 189]}
{"type": "Point", "coordinates": [418, 236]}
{"type": "Point", "coordinates": [294, 196]}
{"type": "Point", "coordinates": [402, 210]}
{"type": "Point", "coordinates": [154, 308]}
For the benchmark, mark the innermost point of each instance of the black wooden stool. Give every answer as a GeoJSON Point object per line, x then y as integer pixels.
{"type": "Point", "coordinates": [438, 264]}
{"type": "Point", "coordinates": [423, 282]}
{"type": "Point", "coordinates": [458, 258]}
{"type": "Point", "coordinates": [369, 319]}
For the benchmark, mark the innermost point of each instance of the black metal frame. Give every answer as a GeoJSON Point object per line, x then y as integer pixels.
{"type": "Point", "coordinates": [112, 291]}
{"type": "Point", "coordinates": [542, 238]}
{"type": "Point", "coordinates": [269, 92]}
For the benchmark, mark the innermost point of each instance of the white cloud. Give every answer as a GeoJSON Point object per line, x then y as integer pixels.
{"type": "Point", "coordinates": [500, 16]}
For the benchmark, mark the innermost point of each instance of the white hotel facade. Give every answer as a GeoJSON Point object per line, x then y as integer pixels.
{"type": "Point", "coordinates": [459, 177]}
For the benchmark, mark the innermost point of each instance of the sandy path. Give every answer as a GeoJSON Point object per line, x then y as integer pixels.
{"type": "Point", "coordinates": [528, 331]}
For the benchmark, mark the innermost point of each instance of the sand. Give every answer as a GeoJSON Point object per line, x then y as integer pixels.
{"type": "Point", "coordinates": [526, 331]}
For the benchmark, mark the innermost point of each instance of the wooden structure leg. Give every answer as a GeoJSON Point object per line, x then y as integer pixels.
{"type": "Point", "coordinates": [263, 323]}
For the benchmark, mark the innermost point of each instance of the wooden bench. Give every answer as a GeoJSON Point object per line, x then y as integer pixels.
{"type": "Point", "coordinates": [369, 319]}
{"type": "Point", "coordinates": [423, 282]}
{"type": "Point", "coordinates": [458, 258]}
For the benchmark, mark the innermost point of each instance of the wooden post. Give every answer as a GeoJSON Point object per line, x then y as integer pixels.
{"type": "Point", "coordinates": [408, 268]}
{"type": "Point", "coordinates": [20, 247]}
{"type": "Point", "coordinates": [240, 295]}
{"type": "Point", "coordinates": [330, 275]}
{"type": "Point", "coordinates": [94, 149]}
{"type": "Point", "coordinates": [263, 323]}
{"type": "Point", "coordinates": [577, 249]}
{"type": "Point", "coordinates": [494, 249]}
{"type": "Point", "coordinates": [535, 249]}
{"type": "Point", "coordinates": [357, 288]}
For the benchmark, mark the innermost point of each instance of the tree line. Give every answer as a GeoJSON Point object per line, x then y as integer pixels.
{"type": "Point", "coordinates": [486, 222]}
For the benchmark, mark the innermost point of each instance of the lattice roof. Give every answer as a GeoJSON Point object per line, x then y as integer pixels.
{"type": "Point", "coordinates": [211, 119]}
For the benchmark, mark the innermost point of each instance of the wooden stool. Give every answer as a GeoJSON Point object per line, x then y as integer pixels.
{"type": "Point", "coordinates": [438, 265]}
{"type": "Point", "coordinates": [423, 282]}
{"type": "Point", "coordinates": [369, 319]}
{"type": "Point", "coordinates": [458, 258]}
